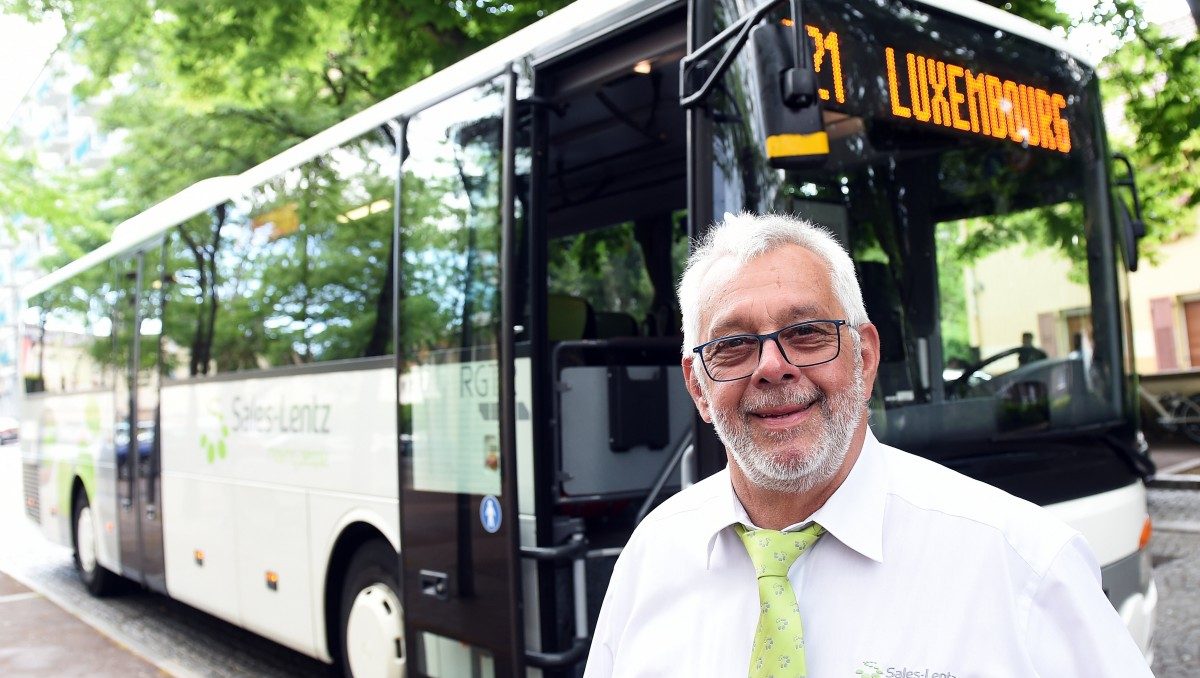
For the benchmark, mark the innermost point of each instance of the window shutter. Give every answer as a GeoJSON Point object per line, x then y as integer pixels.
{"type": "Point", "coordinates": [1048, 333]}
{"type": "Point", "coordinates": [1162, 318]}
{"type": "Point", "coordinates": [1191, 315]}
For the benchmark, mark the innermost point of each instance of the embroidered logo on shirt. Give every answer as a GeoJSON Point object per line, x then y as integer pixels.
{"type": "Point", "coordinates": [869, 670]}
{"type": "Point", "coordinates": [873, 670]}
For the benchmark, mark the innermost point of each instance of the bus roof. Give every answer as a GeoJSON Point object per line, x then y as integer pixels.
{"type": "Point", "coordinates": [139, 228]}
{"type": "Point", "coordinates": [568, 28]}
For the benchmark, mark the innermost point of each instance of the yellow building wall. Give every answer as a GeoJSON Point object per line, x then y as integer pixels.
{"type": "Point", "coordinates": [1014, 286]}
{"type": "Point", "coordinates": [1175, 274]}
{"type": "Point", "coordinates": [1011, 288]}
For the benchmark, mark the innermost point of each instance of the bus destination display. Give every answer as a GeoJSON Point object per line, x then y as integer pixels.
{"type": "Point", "coordinates": [933, 91]}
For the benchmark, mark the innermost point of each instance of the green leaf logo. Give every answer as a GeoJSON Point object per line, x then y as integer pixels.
{"type": "Point", "coordinates": [869, 670]}
{"type": "Point", "coordinates": [215, 448]}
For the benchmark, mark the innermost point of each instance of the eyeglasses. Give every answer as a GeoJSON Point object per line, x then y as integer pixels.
{"type": "Point", "coordinates": [805, 344]}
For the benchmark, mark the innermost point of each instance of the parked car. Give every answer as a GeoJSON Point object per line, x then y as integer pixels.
{"type": "Point", "coordinates": [9, 428]}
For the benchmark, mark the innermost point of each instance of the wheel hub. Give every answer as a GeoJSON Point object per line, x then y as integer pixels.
{"type": "Point", "coordinates": [375, 634]}
{"type": "Point", "coordinates": [85, 540]}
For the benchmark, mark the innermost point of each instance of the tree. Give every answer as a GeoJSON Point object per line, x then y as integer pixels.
{"type": "Point", "coordinates": [1157, 78]}
{"type": "Point", "coordinates": [212, 87]}
{"type": "Point", "coordinates": [30, 195]}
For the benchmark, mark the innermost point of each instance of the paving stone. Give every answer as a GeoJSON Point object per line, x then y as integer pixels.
{"type": "Point", "coordinates": [1176, 557]}
{"type": "Point", "coordinates": [38, 638]}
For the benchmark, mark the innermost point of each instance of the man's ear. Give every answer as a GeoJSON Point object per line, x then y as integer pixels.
{"type": "Point", "coordinates": [692, 381]}
{"type": "Point", "coordinates": [869, 347]}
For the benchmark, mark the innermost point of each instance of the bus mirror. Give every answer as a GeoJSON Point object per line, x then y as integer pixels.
{"type": "Point", "coordinates": [790, 113]}
{"type": "Point", "coordinates": [1132, 230]}
{"type": "Point", "coordinates": [1132, 227]}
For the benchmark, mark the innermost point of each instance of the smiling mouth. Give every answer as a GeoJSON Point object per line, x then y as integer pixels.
{"type": "Point", "coordinates": [781, 413]}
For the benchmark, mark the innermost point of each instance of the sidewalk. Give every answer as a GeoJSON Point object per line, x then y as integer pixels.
{"type": "Point", "coordinates": [38, 639]}
{"type": "Point", "coordinates": [1171, 454]}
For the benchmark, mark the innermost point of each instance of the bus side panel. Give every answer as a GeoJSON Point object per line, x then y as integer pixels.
{"type": "Point", "coordinates": [71, 436]}
{"type": "Point", "coordinates": [271, 443]}
{"type": "Point", "coordinates": [275, 586]}
{"type": "Point", "coordinates": [199, 548]}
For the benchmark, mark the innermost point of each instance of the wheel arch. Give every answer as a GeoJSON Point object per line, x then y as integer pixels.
{"type": "Point", "coordinates": [351, 537]}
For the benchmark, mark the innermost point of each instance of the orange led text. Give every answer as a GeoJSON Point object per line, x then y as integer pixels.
{"type": "Point", "coordinates": [937, 92]}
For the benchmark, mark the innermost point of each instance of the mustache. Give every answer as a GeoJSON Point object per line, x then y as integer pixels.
{"type": "Point", "coordinates": [792, 396]}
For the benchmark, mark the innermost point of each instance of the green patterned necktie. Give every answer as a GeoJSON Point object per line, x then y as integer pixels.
{"type": "Point", "coordinates": [779, 639]}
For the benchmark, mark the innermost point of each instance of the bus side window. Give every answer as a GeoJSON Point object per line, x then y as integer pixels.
{"type": "Point", "coordinates": [296, 271]}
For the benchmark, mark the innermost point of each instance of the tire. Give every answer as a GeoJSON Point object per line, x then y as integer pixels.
{"type": "Point", "coordinates": [1190, 407]}
{"type": "Point", "coordinates": [99, 581]}
{"type": "Point", "coordinates": [370, 638]}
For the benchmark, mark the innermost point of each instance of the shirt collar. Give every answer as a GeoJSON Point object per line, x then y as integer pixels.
{"type": "Point", "coordinates": [853, 514]}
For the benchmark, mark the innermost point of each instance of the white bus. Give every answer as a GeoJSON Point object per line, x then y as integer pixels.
{"type": "Point", "coordinates": [396, 397]}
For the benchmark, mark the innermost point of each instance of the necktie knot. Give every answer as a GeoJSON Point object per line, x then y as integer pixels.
{"type": "Point", "coordinates": [773, 552]}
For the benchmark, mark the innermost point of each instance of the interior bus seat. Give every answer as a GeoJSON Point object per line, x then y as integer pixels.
{"type": "Point", "coordinates": [569, 318]}
{"type": "Point", "coordinates": [612, 324]}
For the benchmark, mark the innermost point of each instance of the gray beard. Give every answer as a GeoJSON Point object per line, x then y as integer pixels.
{"type": "Point", "coordinates": [797, 473]}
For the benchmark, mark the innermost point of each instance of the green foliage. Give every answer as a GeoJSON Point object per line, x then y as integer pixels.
{"type": "Point", "coordinates": [293, 273]}
{"type": "Point", "coordinates": [248, 51]}
{"type": "Point", "coordinates": [1041, 12]}
{"type": "Point", "coordinates": [212, 87]}
{"type": "Point", "coordinates": [30, 195]}
{"type": "Point", "coordinates": [952, 295]}
{"type": "Point", "coordinates": [604, 267]}
{"type": "Point", "coordinates": [1158, 79]}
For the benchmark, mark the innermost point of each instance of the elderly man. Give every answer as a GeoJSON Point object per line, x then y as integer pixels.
{"type": "Point", "coordinates": [820, 551]}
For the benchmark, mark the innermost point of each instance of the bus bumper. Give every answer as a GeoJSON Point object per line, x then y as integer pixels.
{"type": "Point", "coordinates": [1129, 584]}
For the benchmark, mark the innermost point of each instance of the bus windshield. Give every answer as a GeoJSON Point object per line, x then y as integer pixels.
{"type": "Point", "coordinates": [966, 177]}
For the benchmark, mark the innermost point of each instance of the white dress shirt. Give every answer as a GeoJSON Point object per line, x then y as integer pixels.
{"type": "Point", "coordinates": [924, 573]}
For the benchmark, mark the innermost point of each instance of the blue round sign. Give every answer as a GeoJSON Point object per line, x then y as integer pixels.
{"type": "Point", "coordinates": [490, 515]}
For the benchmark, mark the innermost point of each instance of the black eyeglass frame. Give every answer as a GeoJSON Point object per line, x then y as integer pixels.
{"type": "Point", "coordinates": [774, 336]}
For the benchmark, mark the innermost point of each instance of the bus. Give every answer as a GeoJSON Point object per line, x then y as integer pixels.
{"type": "Point", "coordinates": [397, 397]}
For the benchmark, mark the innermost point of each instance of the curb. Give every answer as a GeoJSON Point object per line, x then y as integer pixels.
{"type": "Point", "coordinates": [1190, 527]}
{"type": "Point", "coordinates": [1174, 481]}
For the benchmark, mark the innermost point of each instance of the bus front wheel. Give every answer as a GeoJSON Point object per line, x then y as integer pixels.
{"type": "Point", "coordinates": [372, 623]}
{"type": "Point", "coordinates": [99, 581]}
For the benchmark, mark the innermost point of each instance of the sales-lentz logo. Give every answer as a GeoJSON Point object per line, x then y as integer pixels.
{"type": "Point", "coordinates": [254, 416]}
{"type": "Point", "coordinates": [872, 670]}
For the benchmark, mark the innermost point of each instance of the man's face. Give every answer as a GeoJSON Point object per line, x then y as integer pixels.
{"type": "Point", "coordinates": [787, 428]}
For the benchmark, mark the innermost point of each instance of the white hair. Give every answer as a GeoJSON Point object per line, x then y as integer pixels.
{"type": "Point", "coordinates": [745, 236]}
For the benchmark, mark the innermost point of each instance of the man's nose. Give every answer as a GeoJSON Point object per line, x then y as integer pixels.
{"type": "Point", "coordinates": [773, 366]}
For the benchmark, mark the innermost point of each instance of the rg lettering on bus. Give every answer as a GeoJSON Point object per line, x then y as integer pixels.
{"type": "Point", "coordinates": [476, 380]}
{"type": "Point", "coordinates": [946, 94]}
